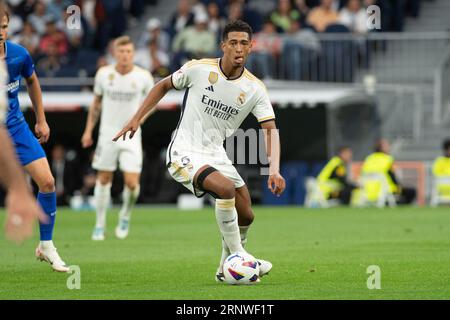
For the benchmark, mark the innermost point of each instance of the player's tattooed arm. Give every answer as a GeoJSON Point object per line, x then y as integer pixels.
{"type": "Point", "coordinates": [91, 121]}
{"type": "Point", "coordinates": [41, 128]}
{"type": "Point", "coordinates": [276, 182]}
{"type": "Point", "coordinates": [147, 108]}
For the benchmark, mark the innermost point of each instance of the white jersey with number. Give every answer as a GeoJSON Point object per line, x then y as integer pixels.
{"type": "Point", "coordinates": [122, 95]}
{"type": "Point", "coordinates": [213, 108]}
{"type": "Point", "coordinates": [3, 97]}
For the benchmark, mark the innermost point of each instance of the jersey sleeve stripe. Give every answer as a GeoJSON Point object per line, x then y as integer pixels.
{"type": "Point", "coordinates": [266, 119]}
{"type": "Point", "coordinates": [173, 85]}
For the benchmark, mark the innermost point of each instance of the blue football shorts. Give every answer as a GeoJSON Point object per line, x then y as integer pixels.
{"type": "Point", "coordinates": [28, 148]}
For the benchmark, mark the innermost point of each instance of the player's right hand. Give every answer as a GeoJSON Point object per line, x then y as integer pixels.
{"type": "Point", "coordinates": [22, 211]}
{"type": "Point", "coordinates": [131, 127]}
{"type": "Point", "coordinates": [86, 140]}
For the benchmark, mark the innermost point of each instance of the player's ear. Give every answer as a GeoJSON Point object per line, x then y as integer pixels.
{"type": "Point", "coordinates": [222, 45]}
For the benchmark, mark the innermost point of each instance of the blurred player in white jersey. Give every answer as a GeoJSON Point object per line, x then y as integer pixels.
{"type": "Point", "coordinates": [119, 90]}
{"type": "Point", "coordinates": [220, 94]}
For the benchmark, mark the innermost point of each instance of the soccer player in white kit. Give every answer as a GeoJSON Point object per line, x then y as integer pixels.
{"type": "Point", "coordinates": [220, 93]}
{"type": "Point", "coordinates": [119, 90]}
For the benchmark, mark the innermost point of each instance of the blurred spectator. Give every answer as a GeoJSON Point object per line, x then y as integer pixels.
{"type": "Point", "coordinates": [197, 7]}
{"type": "Point", "coordinates": [155, 32]}
{"type": "Point", "coordinates": [322, 16]}
{"type": "Point", "coordinates": [23, 8]}
{"type": "Point", "coordinates": [441, 169]}
{"type": "Point", "coordinates": [182, 18]}
{"type": "Point", "coordinates": [194, 42]}
{"type": "Point", "coordinates": [303, 8]}
{"type": "Point", "coordinates": [154, 59]}
{"type": "Point", "coordinates": [55, 38]}
{"type": "Point", "coordinates": [354, 17]}
{"type": "Point", "coordinates": [283, 17]}
{"type": "Point", "coordinates": [333, 179]}
{"type": "Point", "coordinates": [39, 17]}
{"type": "Point", "coordinates": [216, 22]}
{"type": "Point", "coordinates": [93, 16]}
{"type": "Point", "coordinates": [381, 162]}
{"type": "Point", "coordinates": [235, 11]}
{"type": "Point", "coordinates": [300, 49]}
{"type": "Point", "coordinates": [51, 63]}
{"type": "Point", "coordinates": [15, 23]}
{"type": "Point", "coordinates": [55, 7]}
{"type": "Point", "coordinates": [137, 7]}
{"type": "Point", "coordinates": [266, 47]}
{"type": "Point", "coordinates": [115, 24]}
{"type": "Point", "coordinates": [238, 10]}
{"type": "Point", "coordinates": [28, 38]}
{"type": "Point", "coordinates": [305, 37]}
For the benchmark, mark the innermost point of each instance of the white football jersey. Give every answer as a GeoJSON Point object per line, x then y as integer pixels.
{"type": "Point", "coordinates": [214, 107]}
{"type": "Point", "coordinates": [3, 97]}
{"type": "Point", "coordinates": [121, 95]}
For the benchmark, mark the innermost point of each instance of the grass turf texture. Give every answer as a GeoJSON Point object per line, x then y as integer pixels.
{"type": "Point", "coordinates": [170, 254]}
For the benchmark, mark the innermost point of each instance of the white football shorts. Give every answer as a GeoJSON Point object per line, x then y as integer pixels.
{"type": "Point", "coordinates": [183, 166]}
{"type": "Point", "coordinates": [127, 153]}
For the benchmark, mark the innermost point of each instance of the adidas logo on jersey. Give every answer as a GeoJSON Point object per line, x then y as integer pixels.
{"type": "Point", "coordinates": [210, 88]}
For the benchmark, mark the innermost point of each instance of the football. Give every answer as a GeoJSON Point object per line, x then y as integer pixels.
{"type": "Point", "coordinates": [241, 268]}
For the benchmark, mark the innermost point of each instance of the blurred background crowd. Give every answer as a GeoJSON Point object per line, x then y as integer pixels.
{"type": "Point", "coordinates": [192, 30]}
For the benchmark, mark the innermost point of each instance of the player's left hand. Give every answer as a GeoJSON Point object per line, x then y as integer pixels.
{"type": "Point", "coordinates": [276, 184]}
{"type": "Point", "coordinates": [42, 131]}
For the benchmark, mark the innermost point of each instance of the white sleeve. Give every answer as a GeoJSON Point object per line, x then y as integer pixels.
{"type": "Point", "coordinates": [263, 110]}
{"type": "Point", "coordinates": [182, 78]}
{"type": "Point", "coordinates": [98, 88]}
{"type": "Point", "coordinates": [3, 97]}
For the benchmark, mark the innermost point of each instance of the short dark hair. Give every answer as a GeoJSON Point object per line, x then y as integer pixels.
{"type": "Point", "coordinates": [237, 26]}
{"type": "Point", "coordinates": [446, 144]}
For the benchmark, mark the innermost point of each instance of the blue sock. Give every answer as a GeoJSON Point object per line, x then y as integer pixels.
{"type": "Point", "coordinates": [48, 204]}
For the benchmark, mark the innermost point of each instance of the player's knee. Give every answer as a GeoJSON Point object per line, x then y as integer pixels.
{"type": "Point", "coordinates": [131, 184]}
{"type": "Point", "coordinates": [104, 179]}
{"type": "Point", "coordinates": [227, 190]}
{"type": "Point", "coordinates": [47, 184]}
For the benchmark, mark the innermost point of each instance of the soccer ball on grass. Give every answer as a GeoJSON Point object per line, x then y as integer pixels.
{"type": "Point", "coordinates": [241, 268]}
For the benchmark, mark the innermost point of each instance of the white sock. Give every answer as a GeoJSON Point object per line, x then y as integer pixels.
{"type": "Point", "coordinates": [129, 198]}
{"type": "Point", "coordinates": [47, 244]}
{"type": "Point", "coordinates": [226, 217]}
{"type": "Point", "coordinates": [225, 252]}
{"type": "Point", "coordinates": [102, 194]}
{"type": "Point", "coordinates": [243, 231]}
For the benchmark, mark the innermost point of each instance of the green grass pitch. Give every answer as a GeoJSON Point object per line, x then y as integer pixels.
{"type": "Point", "coordinates": [172, 254]}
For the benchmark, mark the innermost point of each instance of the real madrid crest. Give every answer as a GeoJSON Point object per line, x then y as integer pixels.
{"type": "Point", "coordinates": [111, 78]}
{"type": "Point", "coordinates": [213, 77]}
{"type": "Point", "coordinates": [241, 98]}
